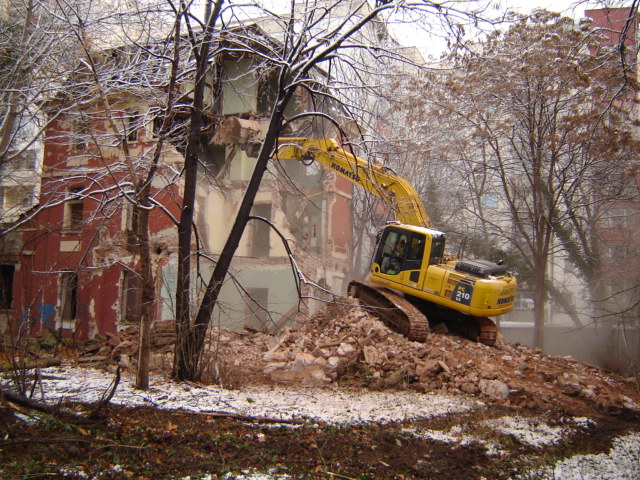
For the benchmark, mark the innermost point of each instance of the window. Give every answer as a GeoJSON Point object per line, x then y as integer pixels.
{"type": "Point", "coordinates": [156, 124]}
{"type": "Point", "coordinates": [130, 297]}
{"type": "Point", "coordinates": [489, 200]}
{"type": "Point", "coordinates": [73, 210]}
{"type": "Point", "coordinates": [79, 135]}
{"type": "Point", "coordinates": [15, 196]}
{"type": "Point", "coordinates": [256, 305]}
{"type": "Point", "coordinates": [437, 250]}
{"type": "Point", "coordinates": [68, 298]}
{"type": "Point", "coordinates": [267, 92]}
{"type": "Point", "coordinates": [261, 231]}
{"type": "Point", "coordinates": [132, 126]}
{"type": "Point", "coordinates": [6, 286]}
{"type": "Point", "coordinates": [393, 251]}
{"type": "Point", "coordinates": [131, 226]}
{"type": "Point", "coordinates": [20, 160]}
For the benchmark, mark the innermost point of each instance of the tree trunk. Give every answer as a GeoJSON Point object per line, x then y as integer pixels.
{"type": "Point", "coordinates": [198, 333]}
{"type": "Point", "coordinates": [540, 302]}
{"type": "Point", "coordinates": [182, 355]}
{"type": "Point", "coordinates": [147, 300]}
{"type": "Point", "coordinates": [185, 360]}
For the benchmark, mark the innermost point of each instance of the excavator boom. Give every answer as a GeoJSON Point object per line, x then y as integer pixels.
{"type": "Point", "coordinates": [376, 179]}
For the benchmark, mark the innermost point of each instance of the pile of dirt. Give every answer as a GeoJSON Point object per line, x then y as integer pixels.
{"type": "Point", "coordinates": [346, 346]}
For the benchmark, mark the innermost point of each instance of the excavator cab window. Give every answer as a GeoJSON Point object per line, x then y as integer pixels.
{"type": "Point", "coordinates": [392, 251]}
{"type": "Point", "coordinates": [415, 252]}
{"type": "Point", "coordinates": [400, 251]}
{"type": "Point", "coordinates": [437, 250]}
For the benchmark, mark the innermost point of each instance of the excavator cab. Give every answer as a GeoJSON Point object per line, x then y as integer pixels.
{"type": "Point", "coordinates": [411, 259]}
{"type": "Point", "coordinates": [407, 251]}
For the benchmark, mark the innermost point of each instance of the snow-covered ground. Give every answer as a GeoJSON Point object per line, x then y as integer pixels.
{"type": "Point", "coordinates": [341, 407]}
{"type": "Point", "coordinates": [332, 406]}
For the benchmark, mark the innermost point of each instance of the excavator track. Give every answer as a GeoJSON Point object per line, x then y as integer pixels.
{"type": "Point", "coordinates": [488, 331]}
{"type": "Point", "coordinates": [478, 329]}
{"type": "Point", "coordinates": [394, 310]}
{"type": "Point", "coordinates": [411, 316]}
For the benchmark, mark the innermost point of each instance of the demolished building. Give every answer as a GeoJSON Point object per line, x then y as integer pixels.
{"type": "Point", "coordinates": [77, 268]}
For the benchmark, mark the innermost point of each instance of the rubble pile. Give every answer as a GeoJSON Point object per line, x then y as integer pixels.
{"type": "Point", "coordinates": [122, 347]}
{"type": "Point", "coordinates": [346, 346]}
{"type": "Point", "coordinates": [343, 345]}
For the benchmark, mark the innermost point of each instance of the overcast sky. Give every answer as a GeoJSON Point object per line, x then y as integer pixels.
{"type": "Point", "coordinates": [568, 7]}
{"type": "Point", "coordinates": [433, 44]}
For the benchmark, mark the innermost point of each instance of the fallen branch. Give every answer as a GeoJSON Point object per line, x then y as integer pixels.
{"type": "Point", "coordinates": [250, 418]}
{"type": "Point", "coordinates": [337, 475]}
{"type": "Point", "coordinates": [25, 402]}
{"type": "Point", "coordinates": [106, 399]}
{"type": "Point", "coordinates": [41, 407]}
{"type": "Point", "coordinates": [32, 364]}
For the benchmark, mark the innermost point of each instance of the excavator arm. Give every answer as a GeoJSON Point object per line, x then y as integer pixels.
{"type": "Point", "coordinates": [395, 191]}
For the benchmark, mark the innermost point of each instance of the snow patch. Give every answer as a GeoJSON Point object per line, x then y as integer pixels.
{"type": "Point", "coordinates": [622, 462]}
{"type": "Point", "coordinates": [533, 432]}
{"type": "Point", "coordinates": [339, 406]}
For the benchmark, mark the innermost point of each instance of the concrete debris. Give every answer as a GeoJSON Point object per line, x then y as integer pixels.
{"type": "Point", "coordinates": [494, 388]}
{"type": "Point", "coordinates": [344, 346]}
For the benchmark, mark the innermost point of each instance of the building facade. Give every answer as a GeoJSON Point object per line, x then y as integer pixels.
{"type": "Point", "coordinates": [77, 268]}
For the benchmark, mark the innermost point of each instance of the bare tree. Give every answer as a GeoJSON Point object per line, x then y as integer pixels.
{"type": "Point", "coordinates": [313, 36]}
{"type": "Point", "coordinates": [101, 83]}
{"type": "Point", "coordinates": [131, 83]}
{"type": "Point", "coordinates": [36, 53]}
{"type": "Point", "coordinates": [549, 143]}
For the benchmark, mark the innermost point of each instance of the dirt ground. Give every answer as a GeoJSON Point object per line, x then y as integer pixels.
{"type": "Point", "coordinates": [340, 347]}
{"type": "Point", "coordinates": [147, 443]}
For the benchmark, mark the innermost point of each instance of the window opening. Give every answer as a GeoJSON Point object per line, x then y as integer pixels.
{"type": "Point", "coordinates": [261, 231]}
{"type": "Point", "coordinates": [15, 197]}
{"type": "Point", "coordinates": [73, 210]}
{"type": "Point", "coordinates": [79, 135]}
{"type": "Point", "coordinates": [267, 92]}
{"type": "Point", "coordinates": [131, 295]}
{"type": "Point", "coordinates": [131, 226]}
{"type": "Point", "coordinates": [132, 126]}
{"type": "Point", "coordinates": [68, 298]}
{"type": "Point", "coordinates": [6, 286]}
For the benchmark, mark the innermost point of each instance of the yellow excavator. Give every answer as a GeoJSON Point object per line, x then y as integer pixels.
{"type": "Point", "coordinates": [413, 283]}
